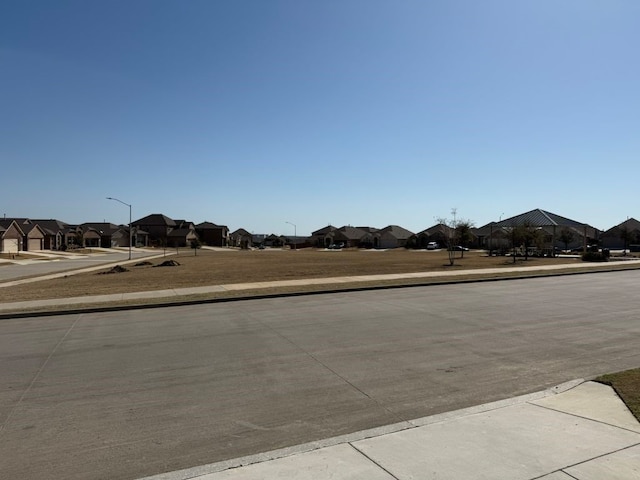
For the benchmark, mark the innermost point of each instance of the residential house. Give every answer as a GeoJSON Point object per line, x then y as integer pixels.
{"type": "Point", "coordinates": [352, 236]}
{"type": "Point", "coordinates": [21, 234]}
{"type": "Point", "coordinates": [157, 226]}
{"type": "Point", "coordinates": [98, 234]}
{"type": "Point", "coordinates": [391, 236]}
{"type": "Point", "coordinates": [54, 232]}
{"type": "Point", "coordinates": [213, 235]}
{"type": "Point", "coordinates": [241, 238]}
{"type": "Point", "coordinates": [297, 242]}
{"type": "Point", "coordinates": [120, 238]}
{"type": "Point", "coordinates": [555, 231]}
{"type": "Point", "coordinates": [183, 235]}
{"type": "Point", "coordinates": [439, 233]}
{"type": "Point", "coordinates": [11, 236]}
{"type": "Point", "coordinates": [322, 238]}
{"type": "Point", "coordinates": [623, 236]}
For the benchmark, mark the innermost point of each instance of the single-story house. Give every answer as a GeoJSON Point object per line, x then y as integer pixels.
{"type": "Point", "coordinates": [54, 232]}
{"type": "Point", "coordinates": [439, 233]}
{"type": "Point", "coordinates": [11, 237]}
{"type": "Point", "coordinates": [391, 236]}
{"type": "Point", "coordinates": [21, 234]}
{"type": "Point", "coordinates": [555, 231]}
{"type": "Point", "coordinates": [622, 236]}
{"type": "Point", "coordinates": [321, 238]}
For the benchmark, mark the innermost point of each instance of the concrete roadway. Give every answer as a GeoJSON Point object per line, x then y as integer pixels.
{"type": "Point", "coordinates": [53, 265]}
{"type": "Point", "coordinates": [126, 394]}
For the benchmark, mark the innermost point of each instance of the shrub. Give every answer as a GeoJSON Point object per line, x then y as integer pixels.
{"type": "Point", "coordinates": [594, 257]}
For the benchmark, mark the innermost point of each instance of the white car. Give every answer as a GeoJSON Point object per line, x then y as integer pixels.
{"type": "Point", "coordinates": [432, 245]}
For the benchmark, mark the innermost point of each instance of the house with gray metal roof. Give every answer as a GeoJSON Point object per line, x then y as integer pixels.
{"type": "Point", "coordinates": [553, 228]}
{"type": "Point", "coordinates": [622, 236]}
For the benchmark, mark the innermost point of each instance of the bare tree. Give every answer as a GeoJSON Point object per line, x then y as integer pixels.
{"type": "Point", "coordinates": [447, 229]}
{"type": "Point", "coordinates": [566, 236]}
{"type": "Point", "coordinates": [626, 236]}
{"type": "Point", "coordinates": [455, 232]}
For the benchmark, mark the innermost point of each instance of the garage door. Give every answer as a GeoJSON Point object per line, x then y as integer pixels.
{"type": "Point", "coordinates": [34, 244]}
{"type": "Point", "coordinates": [10, 245]}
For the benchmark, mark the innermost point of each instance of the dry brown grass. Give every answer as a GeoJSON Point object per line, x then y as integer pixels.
{"type": "Point", "coordinates": [627, 386]}
{"type": "Point", "coordinates": [216, 268]}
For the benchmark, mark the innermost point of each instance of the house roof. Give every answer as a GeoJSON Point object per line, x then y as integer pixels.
{"type": "Point", "coordinates": [539, 218]}
{"type": "Point", "coordinates": [155, 220]}
{"type": "Point", "coordinates": [369, 229]}
{"type": "Point", "coordinates": [184, 224]}
{"type": "Point", "coordinates": [397, 232]}
{"type": "Point", "coordinates": [240, 231]}
{"type": "Point", "coordinates": [438, 228]}
{"type": "Point", "coordinates": [630, 224]}
{"type": "Point", "coordinates": [351, 233]}
{"type": "Point", "coordinates": [180, 232]}
{"type": "Point", "coordinates": [324, 230]}
{"type": "Point", "coordinates": [210, 226]}
{"type": "Point", "coordinates": [101, 227]}
{"type": "Point", "coordinates": [51, 226]}
{"type": "Point", "coordinates": [6, 223]}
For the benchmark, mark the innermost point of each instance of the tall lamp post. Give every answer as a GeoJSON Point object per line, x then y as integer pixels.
{"type": "Point", "coordinates": [295, 235]}
{"type": "Point", "coordinates": [130, 230]}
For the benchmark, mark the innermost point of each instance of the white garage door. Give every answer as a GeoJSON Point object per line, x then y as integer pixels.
{"type": "Point", "coordinates": [10, 245]}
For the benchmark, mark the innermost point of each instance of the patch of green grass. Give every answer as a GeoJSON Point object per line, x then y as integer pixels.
{"type": "Point", "coordinates": [627, 386]}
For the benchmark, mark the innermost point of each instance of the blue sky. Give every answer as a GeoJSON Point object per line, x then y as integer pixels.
{"type": "Point", "coordinates": [256, 113]}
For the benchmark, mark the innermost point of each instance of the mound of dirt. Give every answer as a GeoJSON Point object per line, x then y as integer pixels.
{"type": "Point", "coordinates": [168, 263]}
{"type": "Point", "coordinates": [116, 269]}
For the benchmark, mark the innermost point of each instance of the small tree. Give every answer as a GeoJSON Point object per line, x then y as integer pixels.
{"type": "Point", "coordinates": [530, 237]}
{"type": "Point", "coordinates": [463, 233]}
{"type": "Point", "coordinates": [626, 236]}
{"type": "Point", "coordinates": [195, 244]}
{"type": "Point", "coordinates": [447, 229]}
{"type": "Point", "coordinates": [566, 237]}
{"type": "Point", "coordinates": [454, 232]}
{"type": "Point", "coordinates": [79, 238]}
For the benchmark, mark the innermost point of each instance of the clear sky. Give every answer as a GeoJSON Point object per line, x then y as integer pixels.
{"type": "Point", "coordinates": [254, 113]}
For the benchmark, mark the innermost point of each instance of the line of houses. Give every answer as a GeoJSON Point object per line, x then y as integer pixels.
{"type": "Point", "coordinates": [158, 230]}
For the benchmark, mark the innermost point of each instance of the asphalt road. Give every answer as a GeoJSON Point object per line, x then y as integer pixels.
{"type": "Point", "coordinates": [127, 394]}
{"type": "Point", "coordinates": [55, 265]}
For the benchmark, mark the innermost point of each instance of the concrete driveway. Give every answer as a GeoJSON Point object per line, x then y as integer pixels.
{"type": "Point", "coordinates": [125, 394]}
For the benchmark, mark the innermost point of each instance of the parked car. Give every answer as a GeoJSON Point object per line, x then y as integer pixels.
{"type": "Point", "coordinates": [459, 248]}
{"type": "Point", "coordinates": [432, 246]}
{"type": "Point", "coordinates": [590, 248]}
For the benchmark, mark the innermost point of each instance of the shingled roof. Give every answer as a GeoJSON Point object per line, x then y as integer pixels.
{"type": "Point", "coordinates": [397, 231]}
{"type": "Point", "coordinates": [156, 220]}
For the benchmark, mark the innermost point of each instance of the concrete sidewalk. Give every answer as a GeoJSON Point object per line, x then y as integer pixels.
{"type": "Point", "coordinates": [577, 431]}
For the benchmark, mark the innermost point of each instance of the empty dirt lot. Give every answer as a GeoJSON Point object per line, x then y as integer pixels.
{"type": "Point", "coordinates": [227, 267]}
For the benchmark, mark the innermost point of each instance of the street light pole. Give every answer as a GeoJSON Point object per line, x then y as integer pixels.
{"type": "Point", "coordinates": [130, 230]}
{"type": "Point", "coordinates": [295, 235]}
